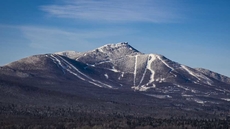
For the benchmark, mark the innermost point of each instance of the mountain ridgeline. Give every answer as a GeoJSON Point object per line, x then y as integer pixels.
{"type": "Point", "coordinates": [115, 78]}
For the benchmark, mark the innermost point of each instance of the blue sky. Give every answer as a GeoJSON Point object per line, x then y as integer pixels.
{"type": "Point", "coordinates": [192, 32]}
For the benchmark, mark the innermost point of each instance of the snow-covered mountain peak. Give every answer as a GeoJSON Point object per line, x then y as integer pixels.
{"type": "Point", "coordinates": [123, 46]}
{"type": "Point", "coordinates": [108, 52]}
{"type": "Point", "coordinates": [117, 44]}
{"type": "Point", "coordinates": [70, 54]}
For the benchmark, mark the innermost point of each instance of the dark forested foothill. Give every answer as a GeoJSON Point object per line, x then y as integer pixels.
{"type": "Point", "coordinates": [18, 117]}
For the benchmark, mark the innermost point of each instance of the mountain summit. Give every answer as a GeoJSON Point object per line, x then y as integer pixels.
{"type": "Point", "coordinates": [117, 69]}
{"type": "Point", "coordinates": [106, 52]}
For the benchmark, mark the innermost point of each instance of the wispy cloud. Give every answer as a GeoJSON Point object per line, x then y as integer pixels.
{"type": "Point", "coordinates": [19, 41]}
{"type": "Point", "coordinates": [53, 39]}
{"type": "Point", "coordinates": [116, 10]}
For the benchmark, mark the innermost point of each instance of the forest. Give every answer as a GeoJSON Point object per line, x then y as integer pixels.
{"type": "Point", "coordinates": [18, 117]}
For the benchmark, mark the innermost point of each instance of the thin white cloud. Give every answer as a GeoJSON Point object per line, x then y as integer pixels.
{"type": "Point", "coordinates": [52, 39]}
{"type": "Point", "coordinates": [47, 39]}
{"type": "Point", "coordinates": [116, 10]}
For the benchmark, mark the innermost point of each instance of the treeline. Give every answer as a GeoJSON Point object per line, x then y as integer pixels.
{"type": "Point", "coordinates": [88, 121]}
{"type": "Point", "coordinates": [19, 117]}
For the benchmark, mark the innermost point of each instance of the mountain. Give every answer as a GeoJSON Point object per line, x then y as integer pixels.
{"type": "Point", "coordinates": [115, 78]}
{"type": "Point", "coordinates": [124, 65]}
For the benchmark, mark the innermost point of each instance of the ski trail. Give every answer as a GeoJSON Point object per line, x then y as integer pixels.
{"type": "Point", "coordinates": [142, 78]}
{"type": "Point", "coordinates": [172, 69]}
{"type": "Point", "coordinates": [151, 59]}
{"type": "Point", "coordinates": [67, 69]}
{"type": "Point", "coordinates": [55, 60]}
{"type": "Point", "coordinates": [164, 62]}
{"type": "Point", "coordinates": [144, 87]}
{"type": "Point", "coordinates": [198, 76]}
{"type": "Point", "coordinates": [135, 71]}
{"type": "Point", "coordinates": [190, 72]}
{"type": "Point", "coordinates": [90, 80]}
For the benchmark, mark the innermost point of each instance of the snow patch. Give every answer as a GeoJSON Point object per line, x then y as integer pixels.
{"type": "Point", "coordinates": [121, 76]}
{"type": "Point", "coordinates": [159, 96]}
{"type": "Point", "coordinates": [182, 87]}
{"type": "Point", "coordinates": [114, 45]}
{"type": "Point", "coordinates": [143, 88]}
{"type": "Point", "coordinates": [106, 76]}
{"type": "Point", "coordinates": [199, 101]}
{"type": "Point", "coordinates": [160, 80]}
{"type": "Point", "coordinates": [70, 54]}
{"type": "Point", "coordinates": [114, 69]}
{"type": "Point", "coordinates": [100, 50]}
{"type": "Point", "coordinates": [226, 99]}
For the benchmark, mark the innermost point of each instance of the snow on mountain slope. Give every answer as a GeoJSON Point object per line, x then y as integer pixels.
{"type": "Point", "coordinates": [200, 77]}
{"type": "Point", "coordinates": [115, 74]}
{"type": "Point", "coordinates": [120, 66]}
{"type": "Point", "coordinates": [214, 75]}
{"type": "Point", "coordinates": [105, 53]}
{"type": "Point", "coordinates": [76, 72]}
{"type": "Point", "coordinates": [70, 54]}
{"type": "Point", "coordinates": [144, 71]}
{"type": "Point", "coordinates": [150, 59]}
